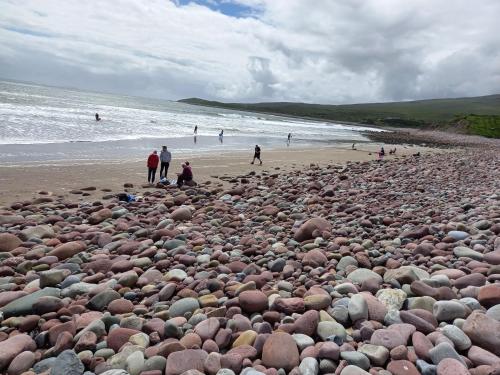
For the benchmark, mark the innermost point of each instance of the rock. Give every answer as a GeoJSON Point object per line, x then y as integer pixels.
{"type": "Point", "coordinates": [184, 360]}
{"type": "Point", "coordinates": [12, 347]}
{"type": "Point", "coordinates": [362, 275]}
{"type": "Point", "coordinates": [38, 232]}
{"type": "Point", "coordinates": [100, 216]}
{"type": "Point", "coordinates": [480, 356]}
{"type": "Point", "coordinates": [465, 252]}
{"type": "Point", "coordinates": [67, 363]}
{"type": "Point", "coordinates": [307, 323]}
{"type": "Point", "coordinates": [9, 242]}
{"type": "Point", "coordinates": [387, 338]}
{"type": "Point", "coordinates": [489, 295]}
{"type": "Point", "coordinates": [450, 366]}
{"type": "Point", "coordinates": [457, 336]}
{"type": "Point", "coordinates": [377, 354]}
{"type": "Point", "coordinates": [24, 305]}
{"type": "Point", "coordinates": [314, 258]}
{"type": "Point", "coordinates": [280, 351]}
{"type": "Point", "coordinates": [483, 331]}
{"type": "Point", "coordinates": [309, 366]}
{"type": "Point", "coordinates": [252, 301]}
{"type": "Point", "coordinates": [358, 308]}
{"type": "Point", "coordinates": [207, 329]}
{"type": "Point", "coordinates": [21, 363]}
{"type": "Point", "coordinates": [448, 310]}
{"type": "Point", "coordinates": [67, 250]}
{"type": "Point", "coordinates": [402, 367]}
{"type": "Point", "coordinates": [356, 358]}
{"type": "Point", "coordinates": [405, 274]}
{"type": "Point", "coordinates": [119, 336]}
{"type": "Point", "coordinates": [101, 300]}
{"type": "Point", "coordinates": [181, 214]}
{"type": "Point", "coordinates": [329, 328]}
{"type": "Point", "coordinates": [312, 228]}
{"type": "Point", "coordinates": [353, 370]}
{"type": "Point", "coordinates": [182, 306]}
{"type": "Point", "coordinates": [442, 351]}
{"type": "Point", "coordinates": [393, 299]}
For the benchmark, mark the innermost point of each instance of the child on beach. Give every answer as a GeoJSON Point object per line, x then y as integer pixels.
{"type": "Point", "coordinates": [152, 164]}
{"type": "Point", "coordinates": [256, 155]}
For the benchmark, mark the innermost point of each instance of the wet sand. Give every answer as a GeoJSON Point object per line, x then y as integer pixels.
{"type": "Point", "coordinates": [18, 183]}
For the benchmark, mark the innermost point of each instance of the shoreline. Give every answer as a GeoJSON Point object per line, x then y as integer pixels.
{"type": "Point", "coordinates": [68, 181]}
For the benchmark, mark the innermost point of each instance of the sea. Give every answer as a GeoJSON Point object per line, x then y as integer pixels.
{"type": "Point", "coordinates": [43, 124]}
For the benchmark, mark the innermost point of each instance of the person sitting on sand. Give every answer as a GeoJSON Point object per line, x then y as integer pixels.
{"type": "Point", "coordinates": [256, 155]}
{"type": "Point", "coordinates": [165, 158]}
{"type": "Point", "coordinates": [186, 175]}
{"type": "Point", "coordinates": [153, 161]}
{"type": "Point", "coordinates": [97, 118]}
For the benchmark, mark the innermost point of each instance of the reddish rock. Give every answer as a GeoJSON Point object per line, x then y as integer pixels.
{"type": "Point", "coordinates": [388, 338]}
{"type": "Point", "coordinates": [289, 305]}
{"type": "Point", "coordinates": [422, 345]}
{"type": "Point", "coordinates": [402, 367]}
{"type": "Point", "coordinates": [119, 336]}
{"type": "Point", "coordinates": [312, 228]}
{"type": "Point", "coordinates": [21, 363]}
{"type": "Point", "coordinates": [483, 331]}
{"type": "Point", "coordinates": [9, 242]}
{"type": "Point", "coordinates": [68, 249]}
{"type": "Point", "coordinates": [280, 351]}
{"type": "Point", "coordinates": [189, 359]}
{"type": "Point", "coordinates": [100, 216]}
{"type": "Point", "coordinates": [480, 356]}
{"type": "Point", "coordinates": [56, 330]}
{"type": "Point", "coordinates": [489, 295]}
{"type": "Point", "coordinates": [307, 323]}
{"type": "Point", "coordinates": [207, 329]}
{"type": "Point", "coordinates": [181, 214]}
{"type": "Point", "coordinates": [120, 306]}
{"type": "Point", "coordinates": [12, 347]}
{"type": "Point", "coordinates": [314, 258]}
{"type": "Point", "coordinates": [252, 301]}
{"type": "Point", "coordinates": [450, 366]}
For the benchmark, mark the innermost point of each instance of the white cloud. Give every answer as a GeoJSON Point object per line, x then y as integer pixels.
{"type": "Point", "coordinates": [323, 51]}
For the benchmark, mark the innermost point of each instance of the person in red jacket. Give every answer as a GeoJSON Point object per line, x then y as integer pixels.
{"type": "Point", "coordinates": [153, 161]}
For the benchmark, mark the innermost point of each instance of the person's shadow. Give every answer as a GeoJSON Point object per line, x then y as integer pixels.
{"type": "Point", "coordinates": [194, 139]}
{"type": "Point", "coordinates": [221, 139]}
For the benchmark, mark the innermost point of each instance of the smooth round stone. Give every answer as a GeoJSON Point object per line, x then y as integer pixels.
{"type": "Point", "coordinates": [183, 306]}
{"type": "Point", "coordinates": [358, 308]}
{"type": "Point", "coordinates": [329, 328]}
{"type": "Point", "coordinates": [377, 354]}
{"type": "Point", "coordinates": [465, 252]}
{"type": "Point", "coordinates": [393, 299]}
{"type": "Point", "coordinates": [361, 275]}
{"type": "Point", "coordinates": [353, 370]}
{"type": "Point", "coordinates": [357, 359]}
{"type": "Point", "coordinates": [442, 351]}
{"type": "Point", "coordinates": [450, 366]}
{"type": "Point", "coordinates": [303, 341]}
{"type": "Point", "coordinates": [494, 312]}
{"type": "Point", "coordinates": [457, 336]}
{"type": "Point", "coordinates": [448, 310]}
{"type": "Point", "coordinates": [458, 235]}
{"type": "Point", "coordinates": [309, 366]}
{"type": "Point", "coordinates": [388, 338]}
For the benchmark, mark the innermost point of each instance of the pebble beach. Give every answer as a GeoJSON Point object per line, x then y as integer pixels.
{"type": "Point", "coordinates": [369, 267]}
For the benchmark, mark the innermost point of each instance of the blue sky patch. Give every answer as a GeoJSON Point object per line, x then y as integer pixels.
{"type": "Point", "coordinates": [226, 7]}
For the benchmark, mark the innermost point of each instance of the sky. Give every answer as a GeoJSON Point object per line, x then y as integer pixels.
{"type": "Point", "coordinates": [317, 51]}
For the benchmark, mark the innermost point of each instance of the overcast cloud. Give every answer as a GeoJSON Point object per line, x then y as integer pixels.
{"type": "Point", "coordinates": [327, 51]}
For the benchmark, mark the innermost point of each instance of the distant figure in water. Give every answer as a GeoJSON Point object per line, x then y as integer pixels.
{"type": "Point", "coordinates": [97, 118]}
{"type": "Point", "coordinates": [353, 146]}
{"type": "Point", "coordinates": [221, 135]}
{"type": "Point", "coordinates": [289, 138]}
{"type": "Point", "coordinates": [153, 161]}
{"type": "Point", "coordinates": [256, 155]}
{"type": "Point", "coordinates": [196, 129]}
{"type": "Point", "coordinates": [186, 174]}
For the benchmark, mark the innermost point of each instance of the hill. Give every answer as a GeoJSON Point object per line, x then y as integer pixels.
{"type": "Point", "coordinates": [475, 115]}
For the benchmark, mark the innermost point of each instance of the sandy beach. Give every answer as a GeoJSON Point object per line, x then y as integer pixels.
{"type": "Point", "coordinates": [77, 181]}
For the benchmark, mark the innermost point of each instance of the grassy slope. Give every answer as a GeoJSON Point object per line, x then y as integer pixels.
{"type": "Point", "coordinates": [477, 115]}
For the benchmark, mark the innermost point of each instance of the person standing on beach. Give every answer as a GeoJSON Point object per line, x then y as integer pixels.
{"type": "Point", "coordinates": [152, 164]}
{"type": "Point", "coordinates": [256, 155]}
{"type": "Point", "coordinates": [165, 158]}
{"type": "Point", "coordinates": [196, 129]}
{"type": "Point", "coordinates": [221, 135]}
{"type": "Point", "coordinates": [289, 138]}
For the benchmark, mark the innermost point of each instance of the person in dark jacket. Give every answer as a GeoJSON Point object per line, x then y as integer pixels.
{"type": "Point", "coordinates": [256, 155]}
{"type": "Point", "coordinates": [165, 158]}
{"type": "Point", "coordinates": [152, 164]}
{"type": "Point", "coordinates": [185, 175]}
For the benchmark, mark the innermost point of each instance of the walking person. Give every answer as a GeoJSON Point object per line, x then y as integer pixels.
{"type": "Point", "coordinates": [153, 161]}
{"type": "Point", "coordinates": [256, 155]}
{"type": "Point", "coordinates": [165, 158]}
{"type": "Point", "coordinates": [196, 129]}
{"type": "Point", "coordinates": [289, 138]}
